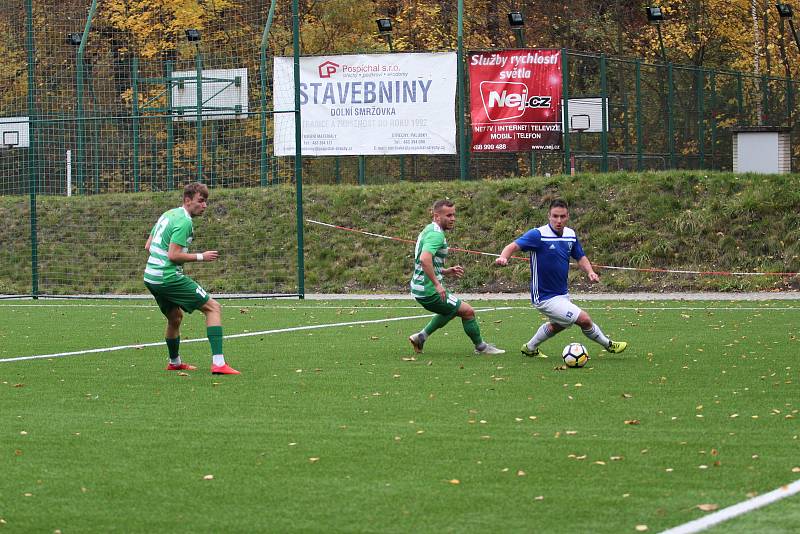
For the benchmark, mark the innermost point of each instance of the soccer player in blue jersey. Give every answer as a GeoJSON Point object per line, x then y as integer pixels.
{"type": "Point", "coordinates": [550, 247]}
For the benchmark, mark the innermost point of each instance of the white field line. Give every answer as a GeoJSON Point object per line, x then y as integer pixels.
{"type": "Point", "coordinates": [737, 509]}
{"type": "Point", "coordinates": [414, 307]}
{"type": "Point", "coordinates": [232, 336]}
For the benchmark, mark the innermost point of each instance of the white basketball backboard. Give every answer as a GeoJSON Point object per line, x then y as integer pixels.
{"type": "Point", "coordinates": [14, 132]}
{"type": "Point", "coordinates": [586, 115]}
{"type": "Point", "coordinates": [222, 88]}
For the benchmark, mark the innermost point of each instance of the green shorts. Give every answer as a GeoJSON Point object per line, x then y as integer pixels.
{"type": "Point", "coordinates": [184, 293]}
{"type": "Point", "coordinates": [434, 303]}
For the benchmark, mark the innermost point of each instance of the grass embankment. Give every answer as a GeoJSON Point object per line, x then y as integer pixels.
{"type": "Point", "coordinates": [675, 220]}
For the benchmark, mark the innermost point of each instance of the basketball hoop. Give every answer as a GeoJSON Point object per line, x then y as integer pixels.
{"type": "Point", "coordinates": [580, 123]}
{"type": "Point", "coordinates": [10, 139]}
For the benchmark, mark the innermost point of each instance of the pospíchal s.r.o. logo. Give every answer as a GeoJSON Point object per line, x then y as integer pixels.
{"type": "Point", "coordinates": [327, 69]}
{"type": "Point", "coordinates": [504, 101]}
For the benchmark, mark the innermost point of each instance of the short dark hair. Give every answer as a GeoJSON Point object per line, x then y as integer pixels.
{"type": "Point", "coordinates": [444, 203]}
{"type": "Point", "coordinates": [192, 189]}
{"type": "Point", "coordinates": [558, 203]}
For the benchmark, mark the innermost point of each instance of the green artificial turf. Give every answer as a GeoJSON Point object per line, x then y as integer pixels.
{"type": "Point", "coordinates": [344, 429]}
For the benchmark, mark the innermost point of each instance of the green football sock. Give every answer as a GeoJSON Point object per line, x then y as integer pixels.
{"type": "Point", "coordinates": [473, 330]}
{"type": "Point", "coordinates": [214, 334]}
{"type": "Point", "coordinates": [173, 346]}
{"type": "Point", "coordinates": [436, 323]}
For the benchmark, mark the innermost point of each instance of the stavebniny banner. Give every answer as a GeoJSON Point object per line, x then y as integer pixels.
{"type": "Point", "coordinates": [375, 104]}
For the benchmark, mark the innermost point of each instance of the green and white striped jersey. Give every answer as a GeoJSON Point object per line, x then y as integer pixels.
{"type": "Point", "coordinates": [431, 239]}
{"type": "Point", "coordinates": [174, 226]}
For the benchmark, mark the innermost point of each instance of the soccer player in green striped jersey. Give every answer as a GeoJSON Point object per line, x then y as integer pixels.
{"type": "Point", "coordinates": [430, 254]}
{"type": "Point", "coordinates": [175, 292]}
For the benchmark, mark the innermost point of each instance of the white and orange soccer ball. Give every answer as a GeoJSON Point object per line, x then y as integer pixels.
{"type": "Point", "coordinates": [575, 355]}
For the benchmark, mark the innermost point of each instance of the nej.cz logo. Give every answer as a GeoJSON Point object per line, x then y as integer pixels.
{"type": "Point", "coordinates": [503, 101]}
{"type": "Point", "coordinates": [327, 69]}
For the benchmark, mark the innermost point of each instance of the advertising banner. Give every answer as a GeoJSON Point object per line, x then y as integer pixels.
{"type": "Point", "coordinates": [368, 104]}
{"type": "Point", "coordinates": [515, 100]}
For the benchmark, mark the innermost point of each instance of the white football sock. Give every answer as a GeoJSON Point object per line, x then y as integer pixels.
{"type": "Point", "coordinates": [597, 335]}
{"type": "Point", "coordinates": [219, 359]}
{"type": "Point", "coordinates": [543, 334]}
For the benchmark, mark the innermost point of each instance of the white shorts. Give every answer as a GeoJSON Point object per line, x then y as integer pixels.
{"type": "Point", "coordinates": [560, 310]}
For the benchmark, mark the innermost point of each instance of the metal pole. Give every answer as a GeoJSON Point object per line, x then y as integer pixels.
{"type": "Point", "coordinates": [701, 134]}
{"type": "Point", "coordinates": [263, 76]}
{"type": "Point", "coordinates": [198, 65]}
{"type": "Point", "coordinates": [298, 139]}
{"type": "Point", "coordinates": [135, 99]}
{"type": "Point", "coordinates": [520, 38]}
{"type": "Point", "coordinates": [670, 135]}
{"type": "Point", "coordinates": [604, 112]}
{"type": "Point", "coordinates": [362, 170]}
{"type": "Point", "coordinates": [661, 42]}
{"type": "Point", "coordinates": [713, 81]}
{"type": "Point", "coordinates": [32, 149]}
{"type": "Point", "coordinates": [463, 161]}
{"type": "Point", "coordinates": [739, 96]}
{"type": "Point", "coordinates": [80, 113]}
{"type": "Point", "coordinates": [80, 126]}
{"type": "Point", "coordinates": [639, 137]}
{"type": "Point", "coordinates": [170, 129]}
{"type": "Point", "coordinates": [565, 103]}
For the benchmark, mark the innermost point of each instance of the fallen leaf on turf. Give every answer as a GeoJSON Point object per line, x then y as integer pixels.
{"type": "Point", "coordinates": [409, 359]}
{"type": "Point", "coordinates": [208, 477]}
{"type": "Point", "coordinates": [539, 498]}
{"type": "Point", "coordinates": [19, 385]}
{"type": "Point", "coordinates": [243, 310]}
{"type": "Point", "coordinates": [374, 337]}
{"type": "Point", "coordinates": [641, 528]}
{"type": "Point", "coordinates": [454, 481]}
{"type": "Point", "coordinates": [600, 462]}
{"type": "Point", "coordinates": [616, 458]}
{"type": "Point", "coordinates": [626, 396]}
{"type": "Point", "coordinates": [521, 473]}
{"type": "Point", "coordinates": [708, 507]}
{"type": "Point", "coordinates": [795, 469]}
{"type": "Point", "coordinates": [632, 422]}
{"type": "Point", "coordinates": [313, 460]}
{"type": "Point", "coordinates": [18, 452]}
{"type": "Point", "coordinates": [183, 374]}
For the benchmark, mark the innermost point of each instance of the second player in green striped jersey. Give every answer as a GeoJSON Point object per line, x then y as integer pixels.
{"type": "Point", "coordinates": [174, 226]}
{"type": "Point", "coordinates": [432, 240]}
{"type": "Point", "coordinates": [430, 254]}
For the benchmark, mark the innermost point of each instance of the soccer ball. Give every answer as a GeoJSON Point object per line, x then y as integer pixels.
{"type": "Point", "coordinates": [575, 355]}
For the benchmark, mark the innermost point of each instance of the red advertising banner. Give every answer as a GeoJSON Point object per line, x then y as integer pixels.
{"type": "Point", "coordinates": [515, 100]}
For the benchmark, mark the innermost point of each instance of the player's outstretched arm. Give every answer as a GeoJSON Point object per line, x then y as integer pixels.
{"type": "Point", "coordinates": [586, 266]}
{"type": "Point", "coordinates": [508, 251]}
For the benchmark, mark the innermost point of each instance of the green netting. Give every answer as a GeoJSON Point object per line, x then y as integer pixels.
{"type": "Point", "coordinates": [114, 113]}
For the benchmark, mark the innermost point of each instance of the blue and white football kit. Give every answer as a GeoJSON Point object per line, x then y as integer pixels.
{"type": "Point", "coordinates": [549, 263]}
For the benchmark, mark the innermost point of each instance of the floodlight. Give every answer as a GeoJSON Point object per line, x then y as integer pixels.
{"type": "Point", "coordinates": [384, 25]}
{"type": "Point", "coordinates": [654, 15]}
{"type": "Point", "coordinates": [784, 10]}
{"type": "Point", "coordinates": [193, 35]}
{"type": "Point", "coordinates": [74, 39]}
{"type": "Point", "coordinates": [515, 19]}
